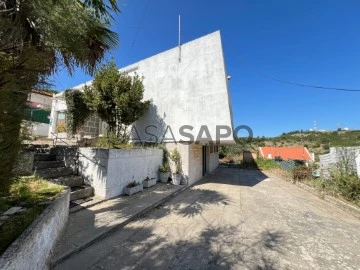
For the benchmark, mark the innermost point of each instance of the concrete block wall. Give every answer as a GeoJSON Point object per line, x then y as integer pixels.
{"type": "Point", "coordinates": [91, 127]}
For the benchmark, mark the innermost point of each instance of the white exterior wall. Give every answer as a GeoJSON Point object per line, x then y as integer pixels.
{"type": "Point", "coordinates": [196, 164]}
{"type": "Point", "coordinates": [120, 167]}
{"type": "Point", "coordinates": [329, 160]}
{"type": "Point", "coordinates": [191, 92]}
{"type": "Point", "coordinates": [192, 160]}
{"type": "Point", "coordinates": [213, 161]}
{"type": "Point", "coordinates": [58, 105]}
{"type": "Point", "coordinates": [40, 129]}
{"type": "Point", "coordinates": [42, 99]}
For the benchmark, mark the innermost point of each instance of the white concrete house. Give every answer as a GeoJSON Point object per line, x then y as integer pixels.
{"type": "Point", "coordinates": [188, 87]}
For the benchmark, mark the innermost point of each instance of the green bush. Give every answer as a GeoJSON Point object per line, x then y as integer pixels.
{"type": "Point", "coordinates": [259, 163]}
{"type": "Point", "coordinates": [266, 164]}
{"type": "Point", "coordinates": [345, 183]}
{"type": "Point", "coordinates": [164, 168]}
{"type": "Point", "coordinates": [111, 140]}
{"type": "Point", "coordinates": [301, 173]}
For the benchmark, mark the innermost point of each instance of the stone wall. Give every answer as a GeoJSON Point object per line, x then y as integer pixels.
{"type": "Point", "coordinates": [67, 154]}
{"type": "Point", "coordinates": [33, 249]}
{"type": "Point", "coordinates": [24, 164]}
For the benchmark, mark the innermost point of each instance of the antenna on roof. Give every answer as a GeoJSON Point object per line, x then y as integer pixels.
{"type": "Point", "coordinates": [179, 38]}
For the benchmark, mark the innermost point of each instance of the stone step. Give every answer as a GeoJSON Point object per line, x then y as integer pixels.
{"type": "Point", "coordinates": [54, 172]}
{"type": "Point", "coordinates": [44, 157]}
{"type": "Point", "coordinates": [38, 165]}
{"type": "Point", "coordinates": [81, 192]}
{"type": "Point", "coordinates": [70, 181]}
{"type": "Point", "coordinates": [43, 150]}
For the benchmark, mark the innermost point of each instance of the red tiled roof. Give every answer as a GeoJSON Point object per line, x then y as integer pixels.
{"type": "Point", "coordinates": [286, 153]}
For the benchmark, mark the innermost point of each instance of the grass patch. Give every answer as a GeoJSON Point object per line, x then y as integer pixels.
{"type": "Point", "coordinates": [32, 190]}
{"type": "Point", "coordinates": [13, 227]}
{"type": "Point", "coordinates": [27, 192]}
{"type": "Point", "coordinates": [260, 163]}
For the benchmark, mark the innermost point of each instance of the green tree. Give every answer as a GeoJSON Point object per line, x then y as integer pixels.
{"type": "Point", "coordinates": [117, 98]}
{"type": "Point", "coordinates": [37, 38]}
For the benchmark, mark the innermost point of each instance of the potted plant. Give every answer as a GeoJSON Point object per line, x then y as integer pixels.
{"type": "Point", "coordinates": [133, 187]}
{"type": "Point", "coordinates": [149, 182]}
{"type": "Point", "coordinates": [177, 175]}
{"type": "Point", "coordinates": [164, 171]}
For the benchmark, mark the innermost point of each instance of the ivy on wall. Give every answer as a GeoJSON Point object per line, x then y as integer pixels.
{"type": "Point", "coordinates": [77, 110]}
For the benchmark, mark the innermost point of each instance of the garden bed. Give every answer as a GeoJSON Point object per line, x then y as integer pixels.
{"type": "Point", "coordinates": [28, 198]}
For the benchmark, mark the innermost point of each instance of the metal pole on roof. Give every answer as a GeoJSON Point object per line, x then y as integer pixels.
{"type": "Point", "coordinates": [179, 38]}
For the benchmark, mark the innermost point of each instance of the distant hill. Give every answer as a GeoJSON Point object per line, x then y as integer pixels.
{"type": "Point", "coordinates": [317, 142]}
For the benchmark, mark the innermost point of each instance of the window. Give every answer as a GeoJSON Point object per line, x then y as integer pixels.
{"type": "Point", "coordinates": [61, 118]}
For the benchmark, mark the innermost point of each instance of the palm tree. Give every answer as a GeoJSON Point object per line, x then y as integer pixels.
{"type": "Point", "coordinates": [37, 38]}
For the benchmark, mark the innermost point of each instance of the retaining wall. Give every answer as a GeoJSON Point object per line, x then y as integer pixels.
{"type": "Point", "coordinates": [33, 249]}
{"type": "Point", "coordinates": [108, 171]}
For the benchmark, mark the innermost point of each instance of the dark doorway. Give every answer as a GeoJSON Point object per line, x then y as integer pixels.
{"type": "Point", "coordinates": [204, 161]}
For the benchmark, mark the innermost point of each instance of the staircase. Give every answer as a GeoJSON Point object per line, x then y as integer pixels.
{"type": "Point", "coordinates": [48, 166]}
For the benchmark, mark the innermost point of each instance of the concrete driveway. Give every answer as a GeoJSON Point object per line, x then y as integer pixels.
{"type": "Point", "coordinates": [232, 219]}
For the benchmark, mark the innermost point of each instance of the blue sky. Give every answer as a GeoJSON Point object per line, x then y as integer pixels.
{"type": "Point", "coordinates": [309, 42]}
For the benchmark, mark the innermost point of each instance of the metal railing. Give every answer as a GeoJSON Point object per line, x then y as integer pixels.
{"type": "Point", "coordinates": [77, 151]}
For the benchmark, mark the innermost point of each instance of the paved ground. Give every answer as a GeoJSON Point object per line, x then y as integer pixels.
{"type": "Point", "coordinates": [233, 219]}
{"type": "Point", "coordinates": [88, 225]}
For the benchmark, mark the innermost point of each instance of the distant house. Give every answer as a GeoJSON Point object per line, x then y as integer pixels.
{"type": "Point", "coordinates": [286, 153]}
{"type": "Point", "coordinates": [37, 112]}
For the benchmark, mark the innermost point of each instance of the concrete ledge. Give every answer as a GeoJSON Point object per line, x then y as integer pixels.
{"type": "Point", "coordinates": [337, 202]}
{"type": "Point", "coordinates": [343, 205]}
{"type": "Point", "coordinates": [65, 252]}
{"type": "Point", "coordinates": [33, 249]}
{"type": "Point", "coordinates": [82, 192]}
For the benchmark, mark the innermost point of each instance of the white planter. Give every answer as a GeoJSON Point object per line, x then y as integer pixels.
{"type": "Point", "coordinates": [183, 181]}
{"type": "Point", "coordinates": [176, 178]}
{"type": "Point", "coordinates": [164, 176]}
{"type": "Point", "coordinates": [133, 190]}
{"type": "Point", "coordinates": [149, 183]}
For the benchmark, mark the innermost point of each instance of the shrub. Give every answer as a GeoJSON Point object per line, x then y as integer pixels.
{"type": "Point", "coordinates": [133, 184]}
{"type": "Point", "coordinates": [164, 168]}
{"type": "Point", "coordinates": [259, 163]}
{"type": "Point", "coordinates": [301, 173]}
{"type": "Point", "coordinates": [176, 158]}
{"type": "Point", "coordinates": [111, 140]}
{"type": "Point", "coordinates": [345, 183]}
{"type": "Point", "coordinates": [60, 128]}
{"type": "Point", "coordinates": [266, 164]}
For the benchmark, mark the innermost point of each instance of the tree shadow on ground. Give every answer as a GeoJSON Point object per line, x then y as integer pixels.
{"type": "Point", "coordinates": [237, 177]}
{"type": "Point", "coordinates": [194, 204]}
{"type": "Point", "coordinates": [213, 248]}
